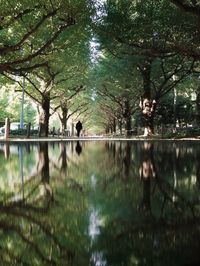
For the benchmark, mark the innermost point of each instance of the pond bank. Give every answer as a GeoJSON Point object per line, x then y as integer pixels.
{"type": "Point", "coordinates": [90, 138]}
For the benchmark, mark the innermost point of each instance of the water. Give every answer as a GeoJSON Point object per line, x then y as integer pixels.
{"type": "Point", "coordinates": [100, 203]}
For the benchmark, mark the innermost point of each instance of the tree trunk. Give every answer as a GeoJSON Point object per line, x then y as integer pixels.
{"type": "Point", "coordinates": [127, 117]}
{"type": "Point", "coordinates": [128, 126]}
{"type": "Point", "coordinates": [148, 110]}
{"type": "Point", "coordinates": [72, 129]}
{"type": "Point", "coordinates": [107, 130]}
{"type": "Point", "coordinates": [198, 108]}
{"type": "Point", "coordinates": [64, 119]}
{"type": "Point", "coordinates": [44, 116]}
{"type": "Point", "coordinates": [147, 105]}
{"type": "Point", "coordinates": [120, 126]}
{"type": "Point", "coordinates": [114, 125]}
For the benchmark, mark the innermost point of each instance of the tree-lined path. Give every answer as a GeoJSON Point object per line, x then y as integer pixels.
{"type": "Point", "coordinates": [93, 97]}
{"type": "Point", "coordinates": [122, 68]}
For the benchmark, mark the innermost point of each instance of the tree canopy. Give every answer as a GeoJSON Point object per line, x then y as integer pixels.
{"type": "Point", "coordinates": [124, 55]}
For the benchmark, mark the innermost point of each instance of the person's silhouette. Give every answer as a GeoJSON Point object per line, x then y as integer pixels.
{"type": "Point", "coordinates": [78, 128]}
{"type": "Point", "coordinates": [78, 148]}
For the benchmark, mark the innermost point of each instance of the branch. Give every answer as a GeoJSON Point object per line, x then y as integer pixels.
{"type": "Point", "coordinates": [76, 91]}
{"type": "Point", "coordinates": [111, 96]}
{"type": "Point", "coordinates": [12, 79]}
{"type": "Point", "coordinates": [194, 9]}
{"type": "Point", "coordinates": [12, 70]}
{"type": "Point", "coordinates": [19, 83]}
{"type": "Point", "coordinates": [165, 89]}
{"type": "Point", "coordinates": [85, 117]}
{"type": "Point", "coordinates": [29, 57]}
{"type": "Point", "coordinates": [31, 96]}
{"type": "Point", "coordinates": [17, 46]}
{"type": "Point", "coordinates": [79, 108]}
{"type": "Point", "coordinates": [82, 112]}
{"type": "Point", "coordinates": [33, 84]}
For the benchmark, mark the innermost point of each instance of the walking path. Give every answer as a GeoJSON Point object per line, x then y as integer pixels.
{"type": "Point", "coordinates": [93, 138]}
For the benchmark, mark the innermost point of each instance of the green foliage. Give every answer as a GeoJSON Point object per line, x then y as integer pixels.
{"type": "Point", "coordinates": [135, 34]}
{"type": "Point", "coordinates": [23, 132]}
{"type": "Point", "coordinates": [183, 108]}
{"type": "Point", "coordinates": [135, 23]}
{"type": "Point", "coordinates": [62, 45]}
{"type": "Point", "coordinates": [31, 30]}
{"type": "Point", "coordinates": [10, 105]}
{"type": "Point", "coordinates": [182, 133]}
{"type": "Point", "coordinates": [29, 112]}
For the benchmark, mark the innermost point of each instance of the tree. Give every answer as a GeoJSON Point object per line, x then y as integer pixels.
{"type": "Point", "coordinates": [70, 104]}
{"type": "Point", "coordinates": [47, 85]}
{"type": "Point", "coordinates": [34, 42]}
{"type": "Point", "coordinates": [10, 105]}
{"type": "Point", "coordinates": [126, 106]}
{"type": "Point", "coordinates": [40, 90]}
{"type": "Point", "coordinates": [29, 30]}
{"type": "Point", "coordinates": [115, 81]}
{"type": "Point", "coordinates": [142, 36]}
{"type": "Point", "coordinates": [160, 76]}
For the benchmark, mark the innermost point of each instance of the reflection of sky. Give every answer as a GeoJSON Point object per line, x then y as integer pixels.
{"type": "Point", "coordinates": [95, 222]}
{"type": "Point", "coordinates": [14, 167]}
{"type": "Point", "coordinates": [94, 51]}
{"type": "Point", "coordinates": [94, 217]}
{"type": "Point", "coordinates": [93, 181]}
{"type": "Point", "coordinates": [97, 259]}
{"type": "Point", "coordinates": [100, 10]}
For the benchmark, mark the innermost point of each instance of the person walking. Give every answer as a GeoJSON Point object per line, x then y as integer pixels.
{"type": "Point", "coordinates": [78, 128]}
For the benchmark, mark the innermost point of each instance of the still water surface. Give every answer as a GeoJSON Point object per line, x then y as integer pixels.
{"type": "Point", "coordinates": [100, 203]}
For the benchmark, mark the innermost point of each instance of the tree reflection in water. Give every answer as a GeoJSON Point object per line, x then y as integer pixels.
{"type": "Point", "coordinates": [28, 235]}
{"type": "Point", "coordinates": [83, 210]}
{"type": "Point", "coordinates": [161, 237]}
{"type": "Point", "coordinates": [198, 167]}
{"type": "Point", "coordinates": [63, 158]}
{"type": "Point", "coordinates": [46, 189]}
{"type": "Point", "coordinates": [147, 171]}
